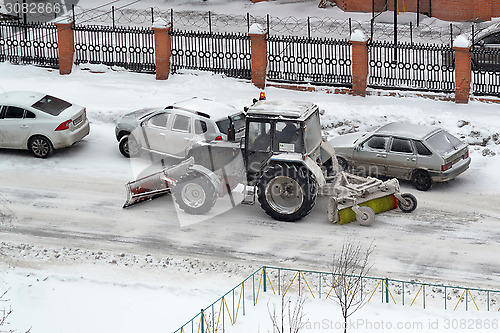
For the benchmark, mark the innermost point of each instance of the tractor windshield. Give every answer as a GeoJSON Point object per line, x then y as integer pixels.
{"type": "Point", "coordinates": [312, 133]}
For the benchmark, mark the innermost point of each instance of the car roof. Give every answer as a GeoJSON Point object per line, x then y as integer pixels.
{"type": "Point", "coordinates": [289, 109]}
{"type": "Point", "coordinates": [21, 98]}
{"type": "Point", "coordinates": [493, 28]}
{"type": "Point", "coordinates": [206, 107]}
{"type": "Point", "coordinates": [407, 130]}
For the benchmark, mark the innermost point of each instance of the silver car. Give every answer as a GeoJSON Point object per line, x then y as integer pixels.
{"type": "Point", "coordinates": [422, 154]}
{"type": "Point", "coordinates": [173, 130]}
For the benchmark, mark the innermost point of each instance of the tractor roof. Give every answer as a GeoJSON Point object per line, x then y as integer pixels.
{"type": "Point", "coordinates": [284, 109]}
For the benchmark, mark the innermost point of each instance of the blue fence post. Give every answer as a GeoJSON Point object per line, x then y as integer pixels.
{"type": "Point", "coordinates": [386, 290]}
{"type": "Point", "coordinates": [243, 291]}
{"type": "Point", "coordinates": [466, 299]}
{"type": "Point", "coordinates": [264, 274]}
{"type": "Point", "coordinates": [424, 294]}
{"type": "Point", "coordinates": [320, 287]}
{"type": "Point", "coordinates": [445, 297]}
{"type": "Point", "coordinates": [279, 281]}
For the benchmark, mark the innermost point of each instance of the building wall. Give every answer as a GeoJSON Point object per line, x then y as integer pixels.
{"type": "Point", "coordinates": [448, 10]}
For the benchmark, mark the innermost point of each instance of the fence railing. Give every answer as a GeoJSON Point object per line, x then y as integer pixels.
{"type": "Point", "coordinates": [281, 281]}
{"type": "Point", "coordinates": [225, 53]}
{"type": "Point", "coordinates": [32, 43]}
{"type": "Point", "coordinates": [320, 61]}
{"type": "Point", "coordinates": [485, 71]}
{"type": "Point", "coordinates": [411, 66]}
{"type": "Point", "coordinates": [130, 48]}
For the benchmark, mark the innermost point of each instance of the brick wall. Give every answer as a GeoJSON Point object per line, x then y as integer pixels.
{"type": "Point", "coordinates": [449, 10]}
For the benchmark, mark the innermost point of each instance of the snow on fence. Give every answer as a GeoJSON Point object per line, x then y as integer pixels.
{"type": "Point", "coordinates": [225, 311]}
{"type": "Point", "coordinates": [32, 43]}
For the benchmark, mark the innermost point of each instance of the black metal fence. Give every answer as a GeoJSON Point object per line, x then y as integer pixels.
{"type": "Point", "coordinates": [319, 61]}
{"type": "Point", "coordinates": [130, 48]}
{"type": "Point", "coordinates": [411, 66]}
{"type": "Point", "coordinates": [485, 71]}
{"type": "Point", "coordinates": [34, 44]}
{"type": "Point", "coordinates": [225, 53]}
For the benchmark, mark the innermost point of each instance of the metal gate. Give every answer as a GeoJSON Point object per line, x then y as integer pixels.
{"type": "Point", "coordinates": [485, 71]}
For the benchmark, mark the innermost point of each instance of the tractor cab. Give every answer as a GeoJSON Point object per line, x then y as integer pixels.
{"type": "Point", "coordinates": [281, 131]}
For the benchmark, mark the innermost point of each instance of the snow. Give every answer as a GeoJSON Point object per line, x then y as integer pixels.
{"type": "Point", "coordinates": [256, 29]}
{"type": "Point", "coordinates": [359, 36]}
{"type": "Point", "coordinates": [73, 260]}
{"type": "Point", "coordinates": [462, 41]}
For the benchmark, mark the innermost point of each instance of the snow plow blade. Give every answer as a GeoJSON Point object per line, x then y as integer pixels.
{"type": "Point", "coordinates": [354, 198]}
{"type": "Point", "coordinates": [156, 184]}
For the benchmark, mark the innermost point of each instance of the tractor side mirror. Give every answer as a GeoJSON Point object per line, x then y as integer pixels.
{"type": "Point", "coordinates": [231, 134]}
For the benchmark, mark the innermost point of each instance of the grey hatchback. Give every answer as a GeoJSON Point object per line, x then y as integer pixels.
{"type": "Point", "coordinates": [422, 154]}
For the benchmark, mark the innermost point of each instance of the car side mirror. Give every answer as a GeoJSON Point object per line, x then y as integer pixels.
{"type": "Point", "coordinates": [481, 43]}
{"type": "Point", "coordinates": [231, 134]}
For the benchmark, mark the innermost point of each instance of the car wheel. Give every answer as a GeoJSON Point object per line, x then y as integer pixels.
{"type": "Point", "coordinates": [195, 194]}
{"type": "Point", "coordinates": [343, 165]}
{"type": "Point", "coordinates": [408, 204]}
{"type": "Point", "coordinates": [286, 192]}
{"type": "Point", "coordinates": [421, 180]}
{"type": "Point", "coordinates": [40, 147]}
{"type": "Point", "coordinates": [128, 146]}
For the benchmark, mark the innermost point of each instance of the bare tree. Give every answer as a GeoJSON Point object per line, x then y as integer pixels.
{"type": "Point", "coordinates": [4, 314]}
{"type": "Point", "coordinates": [295, 315]}
{"type": "Point", "coordinates": [349, 267]}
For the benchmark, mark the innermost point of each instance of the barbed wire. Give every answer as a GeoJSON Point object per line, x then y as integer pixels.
{"type": "Point", "coordinates": [311, 26]}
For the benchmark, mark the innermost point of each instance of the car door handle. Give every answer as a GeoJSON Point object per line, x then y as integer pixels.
{"type": "Point", "coordinates": [381, 155]}
{"type": "Point", "coordinates": [411, 159]}
{"type": "Point", "coordinates": [162, 134]}
{"type": "Point", "coordinates": [24, 126]}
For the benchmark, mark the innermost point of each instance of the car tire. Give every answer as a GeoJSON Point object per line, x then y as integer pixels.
{"type": "Point", "coordinates": [195, 194]}
{"type": "Point", "coordinates": [40, 146]}
{"type": "Point", "coordinates": [421, 180]}
{"type": "Point", "coordinates": [128, 146]}
{"type": "Point", "coordinates": [409, 204]}
{"type": "Point", "coordinates": [299, 199]}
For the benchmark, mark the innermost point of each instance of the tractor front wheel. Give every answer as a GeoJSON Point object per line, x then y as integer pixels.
{"type": "Point", "coordinates": [195, 194]}
{"type": "Point", "coordinates": [287, 192]}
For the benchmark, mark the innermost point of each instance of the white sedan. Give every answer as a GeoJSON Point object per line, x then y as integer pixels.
{"type": "Point", "coordinates": [40, 122]}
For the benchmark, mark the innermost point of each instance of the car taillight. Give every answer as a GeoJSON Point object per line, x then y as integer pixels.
{"type": "Point", "coordinates": [466, 155]}
{"type": "Point", "coordinates": [63, 126]}
{"type": "Point", "coordinates": [219, 138]}
{"type": "Point", "coordinates": [446, 166]}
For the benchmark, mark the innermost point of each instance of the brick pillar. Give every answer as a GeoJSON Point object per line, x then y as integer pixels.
{"type": "Point", "coordinates": [462, 74]}
{"type": "Point", "coordinates": [163, 48]}
{"type": "Point", "coordinates": [482, 10]}
{"type": "Point", "coordinates": [359, 63]}
{"type": "Point", "coordinates": [258, 51]}
{"type": "Point", "coordinates": [66, 45]}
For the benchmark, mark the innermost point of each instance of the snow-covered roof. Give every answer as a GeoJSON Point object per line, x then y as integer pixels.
{"type": "Point", "coordinates": [407, 130]}
{"type": "Point", "coordinates": [20, 98]}
{"type": "Point", "coordinates": [289, 109]}
{"type": "Point", "coordinates": [216, 110]}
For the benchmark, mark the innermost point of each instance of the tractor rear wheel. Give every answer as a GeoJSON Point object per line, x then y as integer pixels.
{"type": "Point", "coordinates": [287, 192]}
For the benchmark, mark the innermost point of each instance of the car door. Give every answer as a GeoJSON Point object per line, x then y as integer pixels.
{"type": "Point", "coordinates": [369, 158]}
{"type": "Point", "coordinates": [180, 137]}
{"type": "Point", "coordinates": [401, 158]}
{"type": "Point", "coordinates": [15, 127]}
{"type": "Point", "coordinates": [155, 132]}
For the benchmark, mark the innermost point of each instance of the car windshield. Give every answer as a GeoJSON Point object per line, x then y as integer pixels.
{"type": "Point", "coordinates": [51, 105]}
{"type": "Point", "coordinates": [443, 142]}
{"type": "Point", "coordinates": [238, 121]}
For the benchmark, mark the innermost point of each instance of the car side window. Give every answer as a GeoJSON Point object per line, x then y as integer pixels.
{"type": "Point", "coordinates": [421, 149]}
{"type": "Point", "coordinates": [29, 115]}
{"type": "Point", "coordinates": [159, 120]}
{"type": "Point", "coordinates": [377, 142]}
{"type": "Point", "coordinates": [13, 112]}
{"type": "Point", "coordinates": [491, 39]}
{"type": "Point", "coordinates": [401, 146]}
{"type": "Point", "coordinates": [200, 126]}
{"type": "Point", "coordinates": [181, 123]}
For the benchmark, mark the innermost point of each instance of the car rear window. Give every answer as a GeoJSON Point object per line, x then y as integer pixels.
{"type": "Point", "coordinates": [51, 105]}
{"type": "Point", "coordinates": [443, 142]}
{"type": "Point", "coordinates": [238, 121]}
